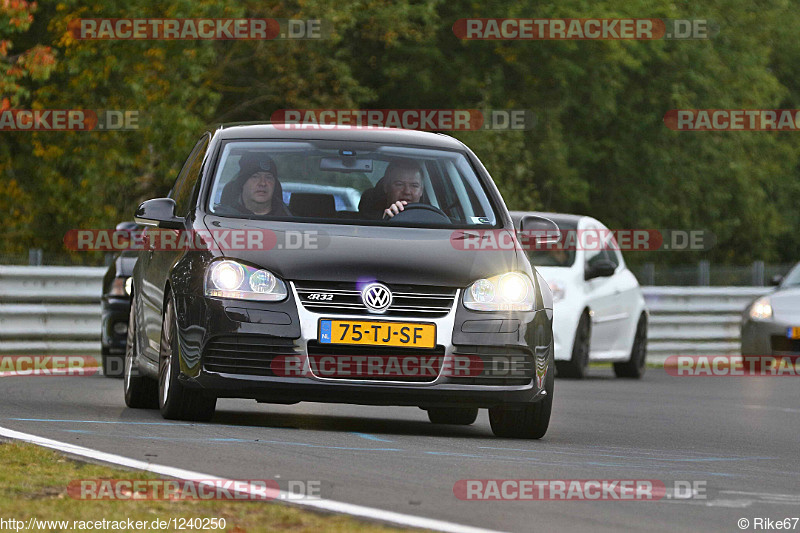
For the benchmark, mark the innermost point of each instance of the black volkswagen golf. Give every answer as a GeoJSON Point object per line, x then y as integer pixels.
{"type": "Point", "coordinates": [419, 297]}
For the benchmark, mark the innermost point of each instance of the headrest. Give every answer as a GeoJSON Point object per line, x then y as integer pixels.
{"type": "Point", "coordinates": [373, 199]}
{"type": "Point", "coordinates": [310, 204]}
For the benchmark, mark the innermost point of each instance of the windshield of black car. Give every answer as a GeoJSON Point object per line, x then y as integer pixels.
{"type": "Point", "coordinates": [348, 183]}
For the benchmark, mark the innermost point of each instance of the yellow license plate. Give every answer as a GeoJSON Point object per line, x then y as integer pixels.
{"type": "Point", "coordinates": [793, 333]}
{"type": "Point", "coordinates": [363, 332]}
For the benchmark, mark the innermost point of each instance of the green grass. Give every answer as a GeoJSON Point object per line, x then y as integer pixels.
{"type": "Point", "coordinates": [33, 484]}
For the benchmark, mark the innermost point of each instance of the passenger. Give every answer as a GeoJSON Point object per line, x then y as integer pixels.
{"type": "Point", "coordinates": [256, 189]}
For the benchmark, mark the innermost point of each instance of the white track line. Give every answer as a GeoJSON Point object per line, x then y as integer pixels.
{"type": "Point", "coordinates": [320, 504]}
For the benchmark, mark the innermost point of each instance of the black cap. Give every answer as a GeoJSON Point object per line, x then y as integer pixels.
{"type": "Point", "coordinates": [253, 162]}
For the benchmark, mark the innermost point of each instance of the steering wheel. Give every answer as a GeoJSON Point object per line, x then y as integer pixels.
{"type": "Point", "coordinates": [420, 213]}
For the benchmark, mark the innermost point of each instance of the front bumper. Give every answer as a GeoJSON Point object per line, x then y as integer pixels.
{"type": "Point", "coordinates": [210, 330]}
{"type": "Point", "coordinates": [768, 337]}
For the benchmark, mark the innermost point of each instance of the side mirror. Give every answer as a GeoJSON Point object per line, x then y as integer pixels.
{"type": "Point", "coordinates": [601, 269]}
{"type": "Point", "coordinates": [776, 279]}
{"type": "Point", "coordinates": [160, 213]}
{"type": "Point", "coordinates": [127, 226]}
{"type": "Point", "coordinates": [538, 231]}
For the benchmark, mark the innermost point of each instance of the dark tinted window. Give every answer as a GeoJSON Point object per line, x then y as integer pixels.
{"type": "Point", "coordinates": [187, 179]}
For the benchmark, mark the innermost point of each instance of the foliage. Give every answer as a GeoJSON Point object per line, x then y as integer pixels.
{"type": "Point", "coordinates": [599, 147]}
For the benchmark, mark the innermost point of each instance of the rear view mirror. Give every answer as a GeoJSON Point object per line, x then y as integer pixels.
{"type": "Point", "coordinates": [776, 280]}
{"type": "Point", "coordinates": [160, 213]}
{"type": "Point", "coordinates": [345, 164]}
{"type": "Point", "coordinates": [538, 231]}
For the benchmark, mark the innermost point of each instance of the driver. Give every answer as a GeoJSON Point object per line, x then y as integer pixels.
{"type": "Point", "coordinates": [402, 184]}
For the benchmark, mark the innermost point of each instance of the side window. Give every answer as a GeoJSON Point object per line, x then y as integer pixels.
{"type": "Point", "coordinates": [611, 250]}
{"type": "Point", "coordinates": [593, 253]}
{"type": "Point", "coordinates": [187, 179]}
{"type": "Point", "coordinates": [611, 255]}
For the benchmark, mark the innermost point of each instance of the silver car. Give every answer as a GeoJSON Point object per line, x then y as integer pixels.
{"type": "Point", "coordinates": [771, 324]}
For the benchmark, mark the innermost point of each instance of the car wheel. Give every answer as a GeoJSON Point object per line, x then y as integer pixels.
{"type": "Point", "coordinates": [635, 366]}
{"type": "Point", "coordinates": [456, 416]}
{"type": "Point", "coordinates": [113, 365]}
{"type": "Point", "coordinates": [527, 421]}
{"type": "Point", "coordinates": [140, 391]}
{"type": "Point", "coordinates": [176, 401]}
{"type": "Point", "coordinates": [576, 367]}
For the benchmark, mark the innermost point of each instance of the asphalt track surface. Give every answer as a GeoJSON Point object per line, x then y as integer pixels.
{"type": "Point", "coordinates": [738, 435]}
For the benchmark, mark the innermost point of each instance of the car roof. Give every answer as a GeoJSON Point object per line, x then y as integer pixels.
{"type": "Point", "coordinates": [340, 133]}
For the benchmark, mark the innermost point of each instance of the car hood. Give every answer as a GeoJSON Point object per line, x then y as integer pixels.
{"type": "Point", "coordinates": [416, 256]}
{"type": "Point", "coordinates": [786, 304]}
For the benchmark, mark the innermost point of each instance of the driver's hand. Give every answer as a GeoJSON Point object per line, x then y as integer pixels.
{"type": "Point", "coordinates": [395, 208]}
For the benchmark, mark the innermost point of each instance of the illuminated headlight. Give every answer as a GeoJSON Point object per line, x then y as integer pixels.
{"type": "Point", "coordinates": [761, 309]}
{"type": "Point", "coordinates": [120, 287]}
{"type": "Point", "coordinates": [558, 289]}
{"type": "Point", "coordinates": [229, 279]}
{"type": "Point", "coordinates": [506, 292]}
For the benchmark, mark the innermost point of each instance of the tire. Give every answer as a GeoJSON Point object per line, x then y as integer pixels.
{"type": "Point", "coordinates": [456, 416]}
{"type": "Point", "coordinates": [527, 421]}
{"type": "Point", "coordinates": [577, 366]}
{"type": "Point", "coordinates": [113, 365]}
{"type": "Point", "coordinates": [175, 400]}
{"type": "Point", "coordinates": [141, 392]}
{"type": "Point", "coordinates": [635, 366]}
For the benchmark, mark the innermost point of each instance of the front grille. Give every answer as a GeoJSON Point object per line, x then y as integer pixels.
{"type": "Point", "coordinates": [783, 344]}
{"type": "Point", "coordinates": [345, 298]}
{"type": "Point", "coordinates": [245, 354]}
{"type": "Point", "coordinates": [415, 369]}
{"type": "Point", "coordinates": [506, 366]}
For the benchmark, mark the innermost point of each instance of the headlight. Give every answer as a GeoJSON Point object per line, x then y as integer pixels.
{"type": "Point", "coordinates": [558, 289]}
{"type": "Point", "coordinates": [120, 287]}
{"type": "Point", "coordinates": [229, 279]}
{"type": "Point", "coordinates": [506, 292]}
{"type": "Point", "coordinates": [761, 309]}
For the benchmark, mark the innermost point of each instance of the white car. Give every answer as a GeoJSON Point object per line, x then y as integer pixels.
{"type": "Point", "coordinates": [599, 312]}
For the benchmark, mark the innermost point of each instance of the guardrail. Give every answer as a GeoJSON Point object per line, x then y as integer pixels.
{"type": "Point", "coordinates": [48, 309]}
{"type": "Point", "coordinates": [696, 320]}
{"type": "Point", "coordinates": [57, 310]}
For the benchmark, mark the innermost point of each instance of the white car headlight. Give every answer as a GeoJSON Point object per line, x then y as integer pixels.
{"type": "Point", "coordinates": [762, 309]}
{"type": "Point", "coordinates": [506, 292]}
{"type": "Point", "coordinates": [229, 279]}
{"type": "Point", "coordinates": [559, 290]}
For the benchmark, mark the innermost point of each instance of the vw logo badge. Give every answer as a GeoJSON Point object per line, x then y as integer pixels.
{"type": "Point", "coordinates": [376, 297]}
